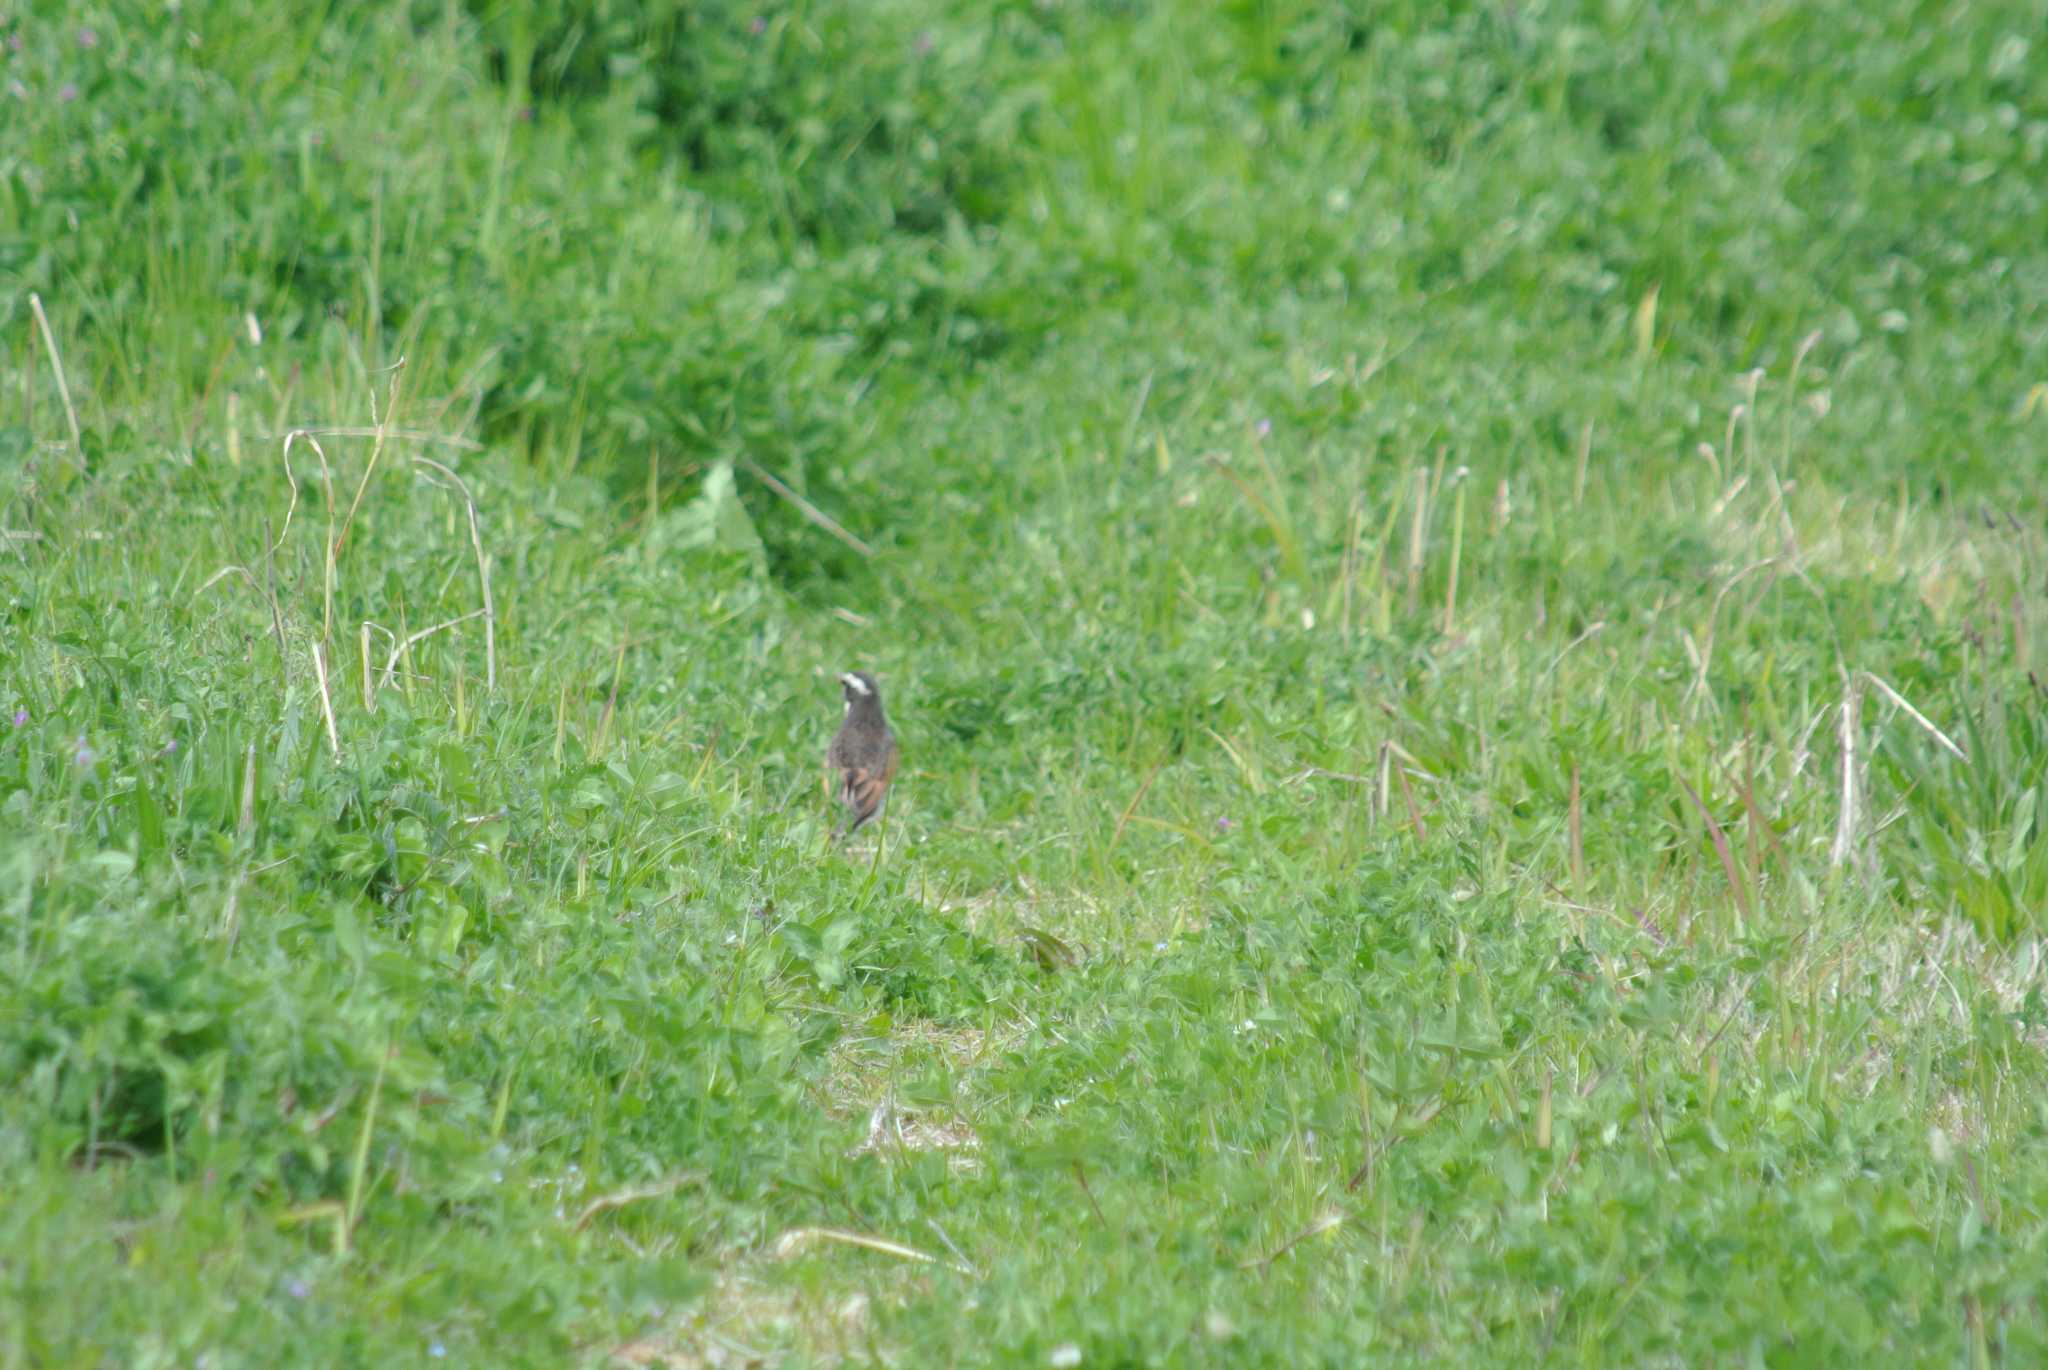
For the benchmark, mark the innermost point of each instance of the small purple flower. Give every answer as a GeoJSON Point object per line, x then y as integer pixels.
{"type": "Point", "coordinates": [1224, 825]}
{"type": "Point", "coordinates": [14, 42]}
{"type": "Point", "coordinates": [1263, 427]}
{"type": "Point", "coordinates": [298, 1289]}
{"type": "Point", "coordinates": [85, 755]}
{"type": "Point", "coordinates": [757, 26]}
{"type": "Point", "coordinates": [67, 92]}
{"type": "Point", "coordinates": [87, 38]}
{"type": "Point", "coordinates": [171, 747]}
{"type": "Point", "coordinates": [21, 718]}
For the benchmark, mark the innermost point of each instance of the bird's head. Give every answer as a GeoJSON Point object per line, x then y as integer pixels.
{"type": "Point", "coordinates": [860, 688]}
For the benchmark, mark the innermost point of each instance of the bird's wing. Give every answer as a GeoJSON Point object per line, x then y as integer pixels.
{"type": "Point", "coordinates": [865, 781]}
{"type": "Point", "coordinates": [862, 788]}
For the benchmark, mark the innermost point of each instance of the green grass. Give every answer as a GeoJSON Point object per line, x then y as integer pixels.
{"type": "Point", "coordinates": [1461, 590]}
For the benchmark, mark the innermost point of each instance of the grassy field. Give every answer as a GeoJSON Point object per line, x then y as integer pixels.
{"type": "Point", "coordinates": [1462, 588]}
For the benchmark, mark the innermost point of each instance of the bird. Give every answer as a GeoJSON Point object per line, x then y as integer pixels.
{"type": "Point", "coordinates": [863, 752]}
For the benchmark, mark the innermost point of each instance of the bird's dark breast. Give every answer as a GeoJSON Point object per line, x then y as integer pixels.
{"type": "Point", "coordinates": [861, 749]}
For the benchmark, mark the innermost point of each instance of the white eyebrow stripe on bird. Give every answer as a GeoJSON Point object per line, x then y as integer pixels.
{"type": "Point", "coordinates": [855, 683]}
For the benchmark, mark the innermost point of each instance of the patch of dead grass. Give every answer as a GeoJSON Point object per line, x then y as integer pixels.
{"type": "Point", "coordinates": [755, 1316]}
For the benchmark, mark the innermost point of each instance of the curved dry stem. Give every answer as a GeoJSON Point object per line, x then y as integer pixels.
{"type": "Point", "coordinates": [222, 574]}
{"type": "Point", "coordinates": [326, 480]}
{"type": "Point", "coordinates": [378, 434]}
{"type": "Point", "coordinates": [405, 644]}
{"type": "Point", "coordinates": [483, 569]}
{"type": "Point", "coordinates": [327, 548]}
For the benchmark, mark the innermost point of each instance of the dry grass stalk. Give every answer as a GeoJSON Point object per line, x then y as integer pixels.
{"type": "Point", "coordinates": [1575, 826]}
{"type": "Point", "coordinates": [1418, 533]}
{"type": "Point", "coordinates": [327, 486]}
{"type": "Point", "coordinates": [35, 304]}
{"type": "Point", "coordinates": [1736, 885]}
{"type": "Point", "coordinates": [1283, 536]}
{"type": "Point", "coordinates": [483, 568]}
{"type": "Point", "coordinates": [326, 701]}
{"type": "Point", "coordinates": [369, 694]}
{"type": "Point", "coordinates": [1735, 417]}
{"type": "Point", "coordinates": [1315, 772]}
{"type": "Point", "coordinates": [811, 512]}
{"type": "Point", "coordinates": [797, 1238]}
{"type": "Point", "coordinates": [1806, 345]}
{"type": "Point", "coordinates": [396, 434]}
{"type": "Point", "coordinates": [1244, 759]}
{"type": "Point", "coordinates": [1557, 660]}
{"type": "Point", "coordinates": [270, 591]}
{"type": "Point", "coordinates": [1408, 798]}
{"type": "Point", "coordinates": [1645, 322]}
{"type": "Point", "coordinates": [605, 1203]}
{"type": "Point", "coordinates": [247, 822]}
{"type": "Point", "coordinates": [379, 434]}
{"type": "Point", "coordinates": [1937, 734]}
{"type": "Point", "coordinates": [1705, 657]}
{"type": "Point", "coordinates": [1845, 822]}
{"type": "Point", "coordinates": [1328, 1221]}
{"type": "Point", "coordinates": [1081, 1178]}
{"type": "Point", "coordinates": [1124, 820]}
{"type": "Point", "coordinates": [1752, 381]}
{"type": "Point", "coordinates": [222, 574]}
{"type": "Point", "coordinates": [405, 644]}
